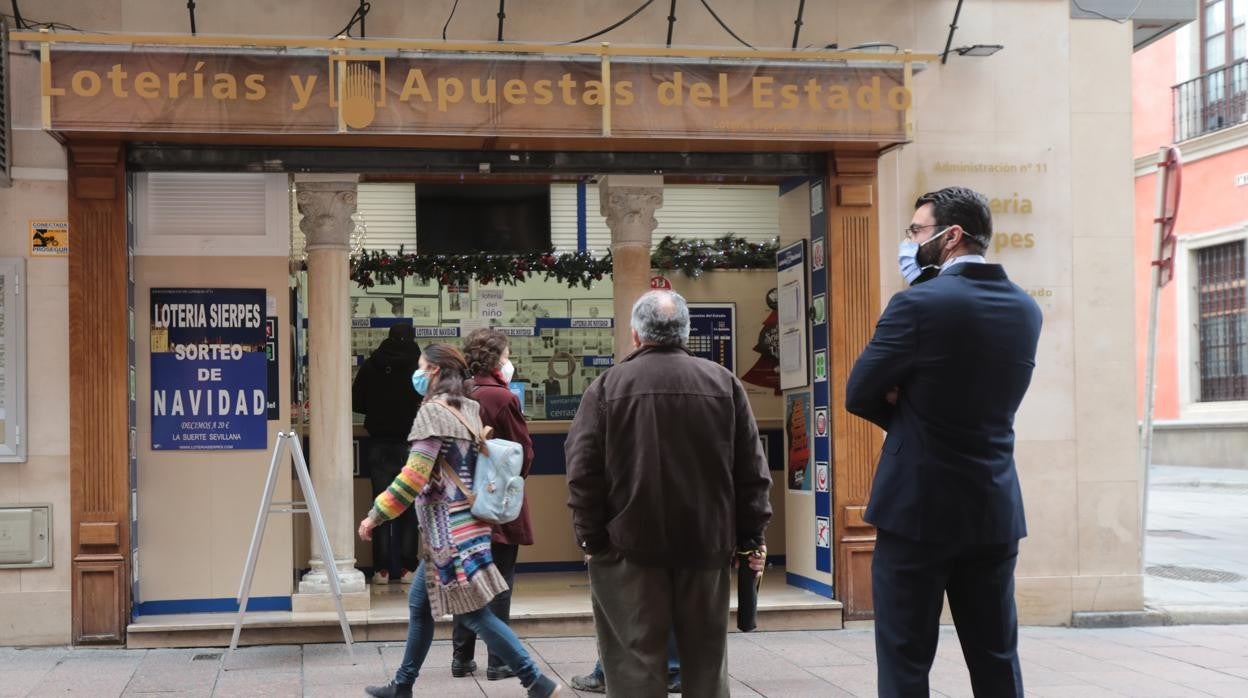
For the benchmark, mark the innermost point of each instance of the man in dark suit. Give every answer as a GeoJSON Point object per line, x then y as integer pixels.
{"type": "Point", "coordinates": [944, 374]}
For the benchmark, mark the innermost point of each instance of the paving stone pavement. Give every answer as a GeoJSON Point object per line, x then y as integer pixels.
{"type": "Point", "coordinates": [1197, 520]}
{"type": "Point", "coordinates": [1160, 661]}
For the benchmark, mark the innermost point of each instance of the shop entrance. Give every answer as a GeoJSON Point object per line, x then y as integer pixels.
{"type": "Point", "coordinates": [561, 330]}
{"type": "Point", "coordinates": [663, 131]}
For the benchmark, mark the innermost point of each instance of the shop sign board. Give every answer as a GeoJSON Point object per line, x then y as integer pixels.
{"type": "Point", "coordinates": [104, 83]}
{"type": "Point", "coordinates": [209, 369]}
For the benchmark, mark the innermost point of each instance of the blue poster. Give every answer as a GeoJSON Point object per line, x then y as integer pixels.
{"type": "Point", "coordinates": [209, 369]}
{"type": "Point", "coordinates": [712, 329]}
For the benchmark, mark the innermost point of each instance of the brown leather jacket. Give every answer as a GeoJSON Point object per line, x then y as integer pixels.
{"type": "Point", "coordinates": [665, 464]}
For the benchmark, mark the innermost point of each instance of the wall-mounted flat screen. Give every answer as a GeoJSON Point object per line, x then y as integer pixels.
{"type": "Point", "coordinates": [464, 218]}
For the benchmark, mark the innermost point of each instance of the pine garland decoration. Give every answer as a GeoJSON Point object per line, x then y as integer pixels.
{"type": "Point", "coordinates": [693, 257]}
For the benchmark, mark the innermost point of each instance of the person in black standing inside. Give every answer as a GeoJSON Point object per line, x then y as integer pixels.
{"type": "Point", "coordinates": [383, 393]}
{"type": "Point", "coordinates": [950, 362]}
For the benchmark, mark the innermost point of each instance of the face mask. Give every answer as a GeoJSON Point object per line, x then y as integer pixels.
{"type": "Point", "coordinates": [508, 370]}
{"type": "Point", "coordinates": [420, 381]}
{"type": "Point", "coordinates": [929, 256]}
{"type": "Point", "coordinates": [910, 269]}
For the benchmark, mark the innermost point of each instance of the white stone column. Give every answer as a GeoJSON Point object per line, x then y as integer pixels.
{"type": "Point", "coordinates": [327, 202]}
{"type": "Point", "coordinates": [628, 202]}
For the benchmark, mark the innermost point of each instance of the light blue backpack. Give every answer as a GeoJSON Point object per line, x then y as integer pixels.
{"type": "Point", "coordinates": [497, 488]}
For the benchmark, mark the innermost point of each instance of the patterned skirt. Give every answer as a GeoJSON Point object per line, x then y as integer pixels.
{"type": "Point", "coordinates": [460, 575]}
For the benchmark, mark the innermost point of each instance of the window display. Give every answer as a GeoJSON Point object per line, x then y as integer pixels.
{"type": "Point", "coordinates": [561, 338]}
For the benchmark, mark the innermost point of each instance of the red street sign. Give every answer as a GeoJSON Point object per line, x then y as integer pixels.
{"type": "Point", "coordinates": [1171, 172]}
{"type": "Point", "coordinates": [660, 283]}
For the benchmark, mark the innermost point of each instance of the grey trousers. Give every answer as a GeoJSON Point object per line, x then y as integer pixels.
{"type": "Point", "coordinates": [634, 609]}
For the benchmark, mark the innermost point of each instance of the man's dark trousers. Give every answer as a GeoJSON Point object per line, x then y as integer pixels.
{"type": "Point", "coordinates": [909, 580]}
{"type": "Point", "coordinates": [463, 640]}
{"type": "Point", "coordinates": [636, 607]}
{"type": "Point", "coordinates": [396, 544]}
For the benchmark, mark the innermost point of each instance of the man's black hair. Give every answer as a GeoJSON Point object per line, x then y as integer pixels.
{"type": "Point", "coordinates": [962, 207]}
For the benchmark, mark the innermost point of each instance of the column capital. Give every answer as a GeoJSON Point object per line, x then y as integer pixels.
{"type": "Point", "coordinates": [628, 202]}
{"type": "Point", "coordinates": [326, 209]}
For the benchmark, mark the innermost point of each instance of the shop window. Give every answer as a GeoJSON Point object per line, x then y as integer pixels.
{"type": "Point", "coordinates": [1222, 321]}
{"type": "Point", "coordinates": [12, 362]}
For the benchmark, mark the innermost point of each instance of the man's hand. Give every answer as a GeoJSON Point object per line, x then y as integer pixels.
{"type": "Point", "coordinates": [366, 528]}
{"type": "Point", "coordinates": [758, 561]}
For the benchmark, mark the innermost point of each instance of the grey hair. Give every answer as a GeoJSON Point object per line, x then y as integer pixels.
{"type": "Point", "coordinates": [662, 318]}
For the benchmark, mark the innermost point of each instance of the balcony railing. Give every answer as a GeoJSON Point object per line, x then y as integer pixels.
{"type": "Point", "coordinates": [1216, 100]}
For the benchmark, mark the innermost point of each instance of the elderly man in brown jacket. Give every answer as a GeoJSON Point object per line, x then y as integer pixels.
{"type": "Point", "coordinates": [668, 480]}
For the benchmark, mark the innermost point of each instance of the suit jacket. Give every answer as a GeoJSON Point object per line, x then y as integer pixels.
{"type": "Point", "coordinates": [960, 349]}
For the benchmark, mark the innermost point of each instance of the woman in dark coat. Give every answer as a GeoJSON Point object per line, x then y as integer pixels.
{"type": "Point", "coordinates": [489, 361]}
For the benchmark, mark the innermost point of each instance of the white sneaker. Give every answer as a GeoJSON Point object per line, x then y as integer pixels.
{"type": "Point", "coordinates": [381, 577]}
{"type": "Point", "coordinates": [408, 576]}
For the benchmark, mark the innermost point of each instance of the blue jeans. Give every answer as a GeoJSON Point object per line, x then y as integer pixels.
{"type": "Point", "coordinates": [673, 661]}
{"type": "Point", "coordinates": [500, 640]}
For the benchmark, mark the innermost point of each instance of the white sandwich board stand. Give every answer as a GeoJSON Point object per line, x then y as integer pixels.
{"type": "Point", "coordinates": [310, 507]}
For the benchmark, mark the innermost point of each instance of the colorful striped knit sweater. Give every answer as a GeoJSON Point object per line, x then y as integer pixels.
{"type": "Point", "coordinates": [459, 572]}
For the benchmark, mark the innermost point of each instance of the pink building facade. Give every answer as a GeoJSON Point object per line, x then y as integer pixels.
{"type": "Point", "coordinates": [1191, 89]}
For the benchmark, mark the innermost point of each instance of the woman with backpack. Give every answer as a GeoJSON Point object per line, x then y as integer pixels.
{"type": "Point", "coordinates": [489, 360]}
{"type": "Point", "coordinates": [458, 575]}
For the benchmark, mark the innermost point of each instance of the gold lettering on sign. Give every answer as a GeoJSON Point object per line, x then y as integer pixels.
{"type": "Point", "coordinates": [457, 94]}
{"type": "Point", "coordinates": [303, 91]}
{"type": "Point", "coordinates": [150, 85]}
{"type": "Point", "coordinates": [991, 167]}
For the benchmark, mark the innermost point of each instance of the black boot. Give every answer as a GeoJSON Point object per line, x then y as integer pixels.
{"type": "Point", "coordinates": [460, 668]}
{"type": "Point", "coordinates": [390, 690]}
{"type": "Point", "coordinates": [498, 673]}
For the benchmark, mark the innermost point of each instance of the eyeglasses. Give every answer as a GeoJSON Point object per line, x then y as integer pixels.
{"type": "Point", "coordinates": [913, 229]}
